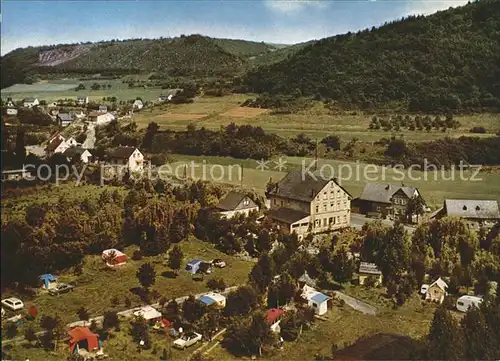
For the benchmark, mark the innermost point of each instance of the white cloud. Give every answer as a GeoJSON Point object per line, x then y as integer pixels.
{"type": "Point", "coordinates": [426, 7]}
{"type": "Point", "coordinates": [293, 6]}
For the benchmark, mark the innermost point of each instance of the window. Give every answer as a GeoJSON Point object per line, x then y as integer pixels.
{"type": "Point", "coordinates": [332, 194]}
{"type": "Point", "coordinates": [338, 205]}
{"type": "Point", "coordinates": [460, 303]}
{"type": "Point", "coordinates": [315, 304]}
{"type": "Point", "coordinates": [295, 225]}
{"type": "Point", "coordinates": [324, 207]}
{"type": "Point", "coordinates": [274, 201]}
{"type": "Point", "coordinates": [338, 219]}
{"type": "Point", "coordinates": [324, 222]}
{"type": "Point", "coordinates": [345, 219]}
{"type": "Point", "coordinates": [325, 195]}
{"type": "Point", "coordinates": [330, 220]}
{"type": "Point", "coordinates": [317, 209]}
{"type": "Point", "coordinates": [345, 204]}
{"type": "Point", "coordinates": [378, 208]}
{"type": "Point", "coordinates": [403, 201]}
{"type": "Point", "coordinates": [281, 203]}
{"type": "Point", "coordinates": [332, 206]}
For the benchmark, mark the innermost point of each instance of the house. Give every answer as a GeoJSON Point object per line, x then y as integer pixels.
{"type": "Point", "coordinates": [15, 174]}
{"type": "Point", "coordinates": [30, 102]}
{"type": "Point", "coordinates": [193, 266]}
{"type": "Point", "coordinates": [83, 154]}
{"type": "Point", "coordinates": [213, 298]}
{"type": "Point", "coordinates": [82, 100]}
{"type": "Point", "coordinates": [48, 281]}
{"type": "Point", "coordinates": [83, 338]}
{"type": "Point", "coordinates": [58, 145]}
{"type": "Point", "coordinates": [64, 119]}
{"type": "Point", "coordinates": [168, 95]}
{"type": "Point", "coordinates": [128, 157]}
{"type": "Point", "coordinates": [10, 103]}
{"type": "Point", "coordinates": [308, 203]}
{"type": "Point", "coordinates": [138, 105]}
{"type": "Point", "coordinates": [11, 110]}
{"type": "Point", "coordinates": [477, 213]}
{"type": "Point", "coordinates": [100, 118]}
{"type": "Point", "coordinates": [315, 299]}
{"type": "Point", "coordinates": [436, 291]}
{"type": "Point", "coordinates": [371, 270]}
{"type": "Point", "coordinates": [236, 203]}
{"type": "Point", "coordinates": [273, 319]}
{"type": "Point", "coordinates": [78, 114]}
{"type": "Point", "coordinates": [387, 200]}
{"type": "Point", "coordinates": [102, 109]}
{"type": "Point", "coordinates": [149, 313]}
{"type": "Point", "coordinates": [55, 137]}
{"type": "Point", "coordinates": [114, 257]}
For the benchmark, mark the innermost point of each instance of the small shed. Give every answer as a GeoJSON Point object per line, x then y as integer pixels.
{"type": "Point", "coordinates": [273, 319]}
{"type": "Point", "coordinates": [316, 300]}
{"type": "Point", "coordinates": [193, 266]}
{"type": "Point", "coordinates": [48, 281]}
{"type": "Point", "coordinates": [149, 313]}
{"type": "Point", "coordinates": [213, 298]}
{"type": "Point", "coordinates": [114, 257]}
{"type": "Point", "coordinates": [82, 337]}
{"type": "Point", "coordinates": [436, 291]}
{"type": "Point", "coordinates": [367, 270]}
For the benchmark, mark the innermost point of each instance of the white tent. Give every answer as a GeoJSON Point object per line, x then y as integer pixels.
{"type": "Point", "coordinates": [148, 313]}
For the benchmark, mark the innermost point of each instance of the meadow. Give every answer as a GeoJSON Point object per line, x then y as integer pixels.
{"type": "Point", "coordinates": [434, 186]}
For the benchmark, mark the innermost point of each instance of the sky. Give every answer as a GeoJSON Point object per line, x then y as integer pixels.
{"type": "Point", "coordinates": [32, 23]}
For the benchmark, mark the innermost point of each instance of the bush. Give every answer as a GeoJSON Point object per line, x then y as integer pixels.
{"type": "Point", "coordinates": [478, 130]}
{"type": "Point", "coordinates": [137, 255]}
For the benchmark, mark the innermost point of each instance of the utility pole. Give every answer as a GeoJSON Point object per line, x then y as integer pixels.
{"type": "Point", "coordinates": [316, 156]}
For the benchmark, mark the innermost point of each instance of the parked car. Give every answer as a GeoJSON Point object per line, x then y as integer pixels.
{"type": "Point", "coordinates": [218, 263]}
{"type": "Point", "coordinates": [61, 288]}
{"type": "Point", "coordinates": [13, 303]}
{"type": "Point", "coordinates": [186, 340]}
{"type": "Point", "coordinates": [423, 289]}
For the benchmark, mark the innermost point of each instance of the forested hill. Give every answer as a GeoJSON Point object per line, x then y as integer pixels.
{"type": "Point", "coordinates": [446, 61]}
{"type": "Point", "coordinates": [192, 55]}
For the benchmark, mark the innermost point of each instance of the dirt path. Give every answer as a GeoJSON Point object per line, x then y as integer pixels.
{"type": "Point", "coordinates": [357, 304]}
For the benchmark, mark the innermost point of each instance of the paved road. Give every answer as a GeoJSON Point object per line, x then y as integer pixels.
{"type": "Point", "coordinates": [90, 140]}
{"type": "Point", "coordinates": [357, 304]}
{"type": "Point", "coordinates": [358, 220]}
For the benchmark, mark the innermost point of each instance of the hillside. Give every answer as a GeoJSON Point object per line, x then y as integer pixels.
{"type": "Point", "coordinates": [449, 61]}
{"type": "Point", "coordinates": [186, 55]}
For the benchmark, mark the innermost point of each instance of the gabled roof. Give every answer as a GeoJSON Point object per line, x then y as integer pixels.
{"type": "Point", "coordinates": [302, 187]}
{"type": "Point", "coordinates": [466, 208]}
{"type": "Point", "coordinates": [54, 144]}
{"type": "Point", "coordinates": [138, 101]}
{"type": "Point", "coordinates": [29, 100]}
{"type": "Point", "coordinates": [286, 215]}
{"type": "Point", "coordinates": [148, 313]}
{"type": "Point", "coordinates": [121, 152]}
{"type": "Point", "coordinates": [370, 268]}
{"type": "Point", "coordinates": [194, 261]}
{"type": "Point", "coordinates": [382, 193]}
{"type": "Point", "coordinates": [65, 117]}
{"type": "Point", "coordinates": [440, 283]}
{"type": "Point", "coordinates": [232, 200]}
{"type": "Point", "coordinates": [319, 297]}
{"type": "Point", "coordinates": [71, 152]}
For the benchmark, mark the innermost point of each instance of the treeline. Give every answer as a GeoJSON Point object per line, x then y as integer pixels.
{"type": "Point", "coordinates": [417, 123]}
{"type": "Point", "coordinates": [411, 64]}
{"type": "Point", "coordinates": [280, 103]}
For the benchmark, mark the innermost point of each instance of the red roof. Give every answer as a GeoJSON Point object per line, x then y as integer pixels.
{"type": "Point", "coordinates": [78, 334]}
{"type": "Point", "coordinates": [166, 323]}
{"type": "Point", "coordinates": [273, 314]}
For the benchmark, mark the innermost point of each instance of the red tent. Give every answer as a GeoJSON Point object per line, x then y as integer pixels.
{"type": "Point", "coordinates": [166, 323]}
{"type": "Point", "coordinates": [273, 314]}
{"type": "Point", "coordinates": [79, 334]}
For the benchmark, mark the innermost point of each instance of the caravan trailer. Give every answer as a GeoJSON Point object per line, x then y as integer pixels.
{"type": "Point", "coordinates": [466, 302]}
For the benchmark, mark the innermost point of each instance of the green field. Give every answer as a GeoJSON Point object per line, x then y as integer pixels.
{"type": "Point", "coordinates": [435, 188]}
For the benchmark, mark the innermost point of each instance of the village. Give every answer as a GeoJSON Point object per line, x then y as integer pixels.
{"type": "Point", "coordinates": [309, 210]}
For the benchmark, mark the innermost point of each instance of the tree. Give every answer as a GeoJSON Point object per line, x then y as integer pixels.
{"type": "Point", "coordinates": [30, 335]}
{"type": "Point", "coordinates": [175, 257]}
{"type": "Point", "coordinates": [415, 206]}
{"type": "Point", "coordinates": [151, 130]}
{"type": "Point", "coordinates": [20, 146]}
{"type": "Point", "coordinates": [241, 301]}
{"type": "Point", "coordinates": [83, 314]}
{"type": "Point", "coordinates": [445, 341]}
{"type": "Point", "coordinates": [216, 284]}
{"type": "Point", "coordinates": [281, 292]}
{"type": "Point", "coordinates": [193, 309]}
{"type": "Point", "coordinates": [140, 331]}
{"type": "Point", "coordinates": [263, 272]}
{"type": "Point", "coordinates": [343, 266]}
{"type": "Point", "coordinates": [331, 142]}
{"type": "Point", "coordinates": [11, 330]}
{"type": "Point", "coordinates": [394, 256]}
{"type": "Point", "coordinates": [396, 148]}
{"type": "Point", "coordinates": [110, 320]}
{"type": "Point", "coordinates": [146, 275]}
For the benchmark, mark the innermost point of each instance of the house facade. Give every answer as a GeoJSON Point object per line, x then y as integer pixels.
{"type": "Point", "coordinates": [30, 102]}
{"type": "Point", "coordinates": [386, 200]}
{"type": "Point", "coordinates": [58, 145]}
{"type": "Point", "coordinates": [236, 203]}
{"type": "Point", "coordinates": [436, 291]}
{"type": "Point", "coordinates": [78, 152]}
{"type": "Point", "coordinates": [307, 203]}
{"type": "Point", "coordinates": [138, 105]}
{"type": "Point", "coordinates": [100, 118]}
{"type": "Point", "coordinates": [11, 111]}
{"type": "Point", "coordinates": [369, 270]}
{"type": "Point", "coordinates": [127, 157]}
{"type": "Point", "coordinates": [64, 119]}
{"type": "Point", "coordinates": [477, 213]}
{"type": "Point", "coordinates": [82, 100]}
{"type": "Point", "coordinates": [15, 174]}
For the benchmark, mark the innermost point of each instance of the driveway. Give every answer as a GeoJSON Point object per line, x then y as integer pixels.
{"type": "Point", "coordinates": [358, 220]}
{"type": "Point", "coordinates": [357, 304]}
{"type": "Point", "coordinates": [90, 140]}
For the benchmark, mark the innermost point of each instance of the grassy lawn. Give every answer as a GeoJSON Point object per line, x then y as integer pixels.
{"type": "Point", "coordinates": [353, 176]}
{"type": "Point", "coordinates": [345, 326]}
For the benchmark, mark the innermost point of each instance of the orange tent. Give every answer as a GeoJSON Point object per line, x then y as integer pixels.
{"type": "Point", "coordinates": [79, 334]}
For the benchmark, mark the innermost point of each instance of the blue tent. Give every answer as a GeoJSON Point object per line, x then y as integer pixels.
{"type": "Point", "coordinates": [47, 278]}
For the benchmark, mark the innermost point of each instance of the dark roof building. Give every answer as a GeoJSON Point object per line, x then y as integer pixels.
{"type": "Point", "coordinates": [301, 187]}
{"type": "Point", "coordinates": [286, 215]}
{"type": "Point", "coordinates": [121, 152]}
{"type": "Point", "coordinates": [383, 193]}
{"type": "Point", "coordinates": [234, 200]}
{"type": "Point", "coordinates": [74, 151]}
{"type": "Point", "coordinates": [472, 209]}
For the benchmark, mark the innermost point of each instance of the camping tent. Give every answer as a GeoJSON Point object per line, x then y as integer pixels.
{"type": "Point", "coordinates": [83, 337]}
{"type": "Point", "coordinates": [212, 298]}
{"type": "Point", "coordinates": [114, 257]}
{"type": "Point", "coordinates": [48, 281]}
{"type": "Point", "coordinates": [148, 313]}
